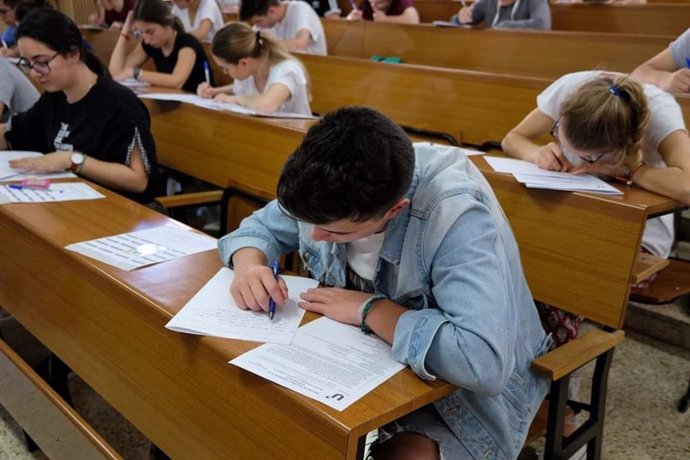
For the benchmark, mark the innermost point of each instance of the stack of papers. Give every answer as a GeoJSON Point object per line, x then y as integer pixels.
{"type": "Point", "coordinates": [128, 251]}
{"type": "Point", "coordinates": [217, 105]}
{"type": "Point", "coordinates": [330, 362]}
{"type": "Point", "coordinates": [534, 177]}
{"type": "Point", "coordinates": [9, 174]}
{"type": "Point", "coordinates": [212, 311]}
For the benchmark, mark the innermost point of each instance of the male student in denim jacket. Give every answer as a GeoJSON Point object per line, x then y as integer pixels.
{"type": "Point", "coordinates": [410, 244]}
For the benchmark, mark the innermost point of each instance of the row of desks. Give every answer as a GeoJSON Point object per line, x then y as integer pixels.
{"type": "Point", "coordinates": [178, 389]}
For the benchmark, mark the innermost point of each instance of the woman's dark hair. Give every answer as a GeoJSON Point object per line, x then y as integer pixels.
{"type": "Point", "coordinates": [61, 34]}
{"type": "Point", "coordinates": [24, 7]}
{"type": "Point", "coordinates": [157, 12]}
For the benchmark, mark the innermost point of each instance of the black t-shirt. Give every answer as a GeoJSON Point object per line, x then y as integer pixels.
{"type": "Point", "coordinates": [167, 64]}
{"type": "Point", "coordinates": [105, 124]}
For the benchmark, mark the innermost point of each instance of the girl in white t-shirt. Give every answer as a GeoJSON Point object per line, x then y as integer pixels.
{"type": "Point", "coordinates": [608, 124]}
{"type": "Point", "coordinates": [266, 77]}
{"type": "Point", "coordinates": [201, 18]}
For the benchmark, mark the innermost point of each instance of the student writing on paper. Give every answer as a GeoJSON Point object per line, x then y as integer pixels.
{"type": "Point", "coordinates": [112, 13]}
{"type": "Point", "coordinates": [200, 18]}
{"type": "Point", "coordinates": [412, 246]}
{"type": "Point", "coordinates": [17, 93]}
{"type": "Point", "coordinates": [294, 23]}
{"type": "Point", "coordinates": [609, 125]}
{"type": "Point", "coordinates": [83, 121]}
{"type": "Point", "coordinates": [266, 77]}
{"type": "Point", "coordinates": [670, 69]}
{"type": "Point", "coordinates": [508, 14]}
{"type": "Point", "coordinates": [178, 56]}
{"type": "Point", "coordinates": [398, 11]}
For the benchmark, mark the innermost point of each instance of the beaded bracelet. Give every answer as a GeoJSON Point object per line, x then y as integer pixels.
{"type": "Point", "coordinates": [365, 308]}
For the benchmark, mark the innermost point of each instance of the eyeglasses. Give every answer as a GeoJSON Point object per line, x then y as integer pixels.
{"type": "Point", "coordinates": [40, 67]}
{"type": "Point", "coordinates": [591, 159]}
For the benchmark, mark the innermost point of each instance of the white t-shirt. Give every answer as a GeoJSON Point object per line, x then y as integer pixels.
{"type": "Point", "coordinates": [208, 9]}
{"type": "Point", "coordinates": [665, 118]}
{"type": "Point", "coordinates": [363, 255]}
{"type": "Point", "coordinates": [298, 16]}
{"type": "Point", "coordinates": [291, 74]}
{"type": "Point", "coordinates": [680, 50]}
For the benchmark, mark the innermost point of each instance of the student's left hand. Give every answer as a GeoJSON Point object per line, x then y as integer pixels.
{"type": "Point", "coordinates": [378, 15]}
{"type": "Point", "coordinates": [56, 161]}
{"type": "Point", "coordinates": [339, 304]}
{"type": "Point", "coordinates": [225, 98]}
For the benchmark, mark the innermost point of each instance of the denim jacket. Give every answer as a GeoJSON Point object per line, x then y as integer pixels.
{"type": "Point", "coordinates": [452, 260]}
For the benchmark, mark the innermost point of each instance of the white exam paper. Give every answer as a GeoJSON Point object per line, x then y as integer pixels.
{"type": "Point", "coordinates": [9, 174]}
{"type": "Point", "coordinates": [534, 177]}
{"type": "Point", "coordinates": [217, 105]}
{"type": "Point", "coordinates": [212, 311]}
{"type": "Point", "coordinates": [57, 192]}
{"type": "Point", "coordinates": [133, 83]}
{"type": "Point", "coordinates": [145, 247]}
{"type": "Point", "coordinates": [330, 362]}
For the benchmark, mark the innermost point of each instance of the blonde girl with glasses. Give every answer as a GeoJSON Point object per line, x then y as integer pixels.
{"type": "Point", "coordinates": [84, 121]}
{"type": "Point", "coordinates": [266, 77]}
{"type": "Point", "coordinates": [609, 125]}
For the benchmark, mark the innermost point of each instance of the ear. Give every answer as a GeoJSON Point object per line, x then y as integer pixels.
{"type": "Point", "coordinates": [397, 208]}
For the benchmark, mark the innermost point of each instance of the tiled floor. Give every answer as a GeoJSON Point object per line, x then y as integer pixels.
{"type": "Point", "coordinates": [647, 378]}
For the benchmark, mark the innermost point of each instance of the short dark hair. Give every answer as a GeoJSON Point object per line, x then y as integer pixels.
{"type": "Point", "coordinates": [353, 164]}
{"type": "Point", "coordinates": [251, 8]}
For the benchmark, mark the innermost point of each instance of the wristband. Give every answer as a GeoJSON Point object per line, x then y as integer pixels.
{"type": "Point", "coordinates": [365, 308]}
{"type": "Point", "coordinates": [631, 173]}
{"type": "Point", "coordinates": [136, 73]}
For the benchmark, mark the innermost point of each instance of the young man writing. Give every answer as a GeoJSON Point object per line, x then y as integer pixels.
{"type": "Point", "coordinates": [410, 244]}
{"type": "Point", "coordinates": [294, 23]}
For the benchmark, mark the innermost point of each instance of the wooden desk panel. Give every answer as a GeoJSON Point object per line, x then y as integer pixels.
{"type": "Point", "coordinates": [547, 54]}
{"type": "Point", "coordinates": [178, 389]}
{"type": "Point", "coordinates": [657, 19]}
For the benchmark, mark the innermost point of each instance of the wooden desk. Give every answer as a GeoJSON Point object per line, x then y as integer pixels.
{"type": "Point", "coordinates": [178, 389]}
{"type": "Point", "coordinates": [656, 19]}
{"type": "Point", "coordinates": [580, 240]}
{"type": "Point", "coordinates": [518, 52]}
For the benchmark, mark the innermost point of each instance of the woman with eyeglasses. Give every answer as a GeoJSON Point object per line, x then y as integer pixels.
{"type": "Point", "coordinates": [609, 125]}
{"type": "Point", "coordinates": [84, 121]}
{"type": "Point", "coordinates": [266, 77]}
{"type": "Point", "coordinates": [178, 56]}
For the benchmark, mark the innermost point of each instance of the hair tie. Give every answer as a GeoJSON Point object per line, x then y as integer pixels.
{"type": "Point", "coordinates": [258, 37]}
{"type": "Point", "coordinates": [613, 89]}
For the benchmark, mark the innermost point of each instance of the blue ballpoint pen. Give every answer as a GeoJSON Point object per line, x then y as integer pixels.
{"type": "Point", "coordinates": [271, 302]}
{"type": "Point", "coordinates": [687, 61]}
{"type": "Point", "coordinates": [207, 73]}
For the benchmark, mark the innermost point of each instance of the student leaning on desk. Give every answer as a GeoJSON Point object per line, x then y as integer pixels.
{"type": "Point", "coordinates": [670, 69]}
{"type": "Point", "coordinates": [178, 56]}
{"type": "Point", "coordinates": [608, 124]}
{"type": "Point", "coordinates": [266, 77]}
{"type": "Point", "coordinates": [411, 245]}
{"type": "Point", "coordinates": [84, 121]}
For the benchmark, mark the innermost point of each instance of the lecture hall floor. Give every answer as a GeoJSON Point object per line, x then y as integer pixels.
{"type": "Point", "coordinates": [647, 378]}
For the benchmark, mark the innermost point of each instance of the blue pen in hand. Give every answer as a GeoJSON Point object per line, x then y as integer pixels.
{"type": "Point", "coordinates": [207, 73]}
{"type": "Point", "coordinates": [271, 302]}
{"type": "Point", "coordinates": [687, 62]}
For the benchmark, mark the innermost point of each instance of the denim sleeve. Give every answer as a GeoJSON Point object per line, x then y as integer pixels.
{"type": "Point", "coordinates": [268, 229]}
{"type": "Point", "coordinates": [468, 340]}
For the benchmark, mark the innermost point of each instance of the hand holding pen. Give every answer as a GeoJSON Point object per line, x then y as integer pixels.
{"type": "Point", "coordinates": [255, 285]}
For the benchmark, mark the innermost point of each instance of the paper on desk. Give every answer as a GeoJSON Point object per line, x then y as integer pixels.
{"type": "Point", "coordinates": [9, 174]}
{"type": "Point", "coordinates": [212, 311]}
{"type": "Point", "coordinates": [217, 105]}
{"type": "Point", "coordinates": [132, 83]}
{"type": "Point", "coordinates": [145, 247]}
{"type": "Point", "coordinates": [330, 362]}
{"type": "Point", "coordinates": [534, 177]}
{"type": "Point", "coordinates": [57, 192]}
